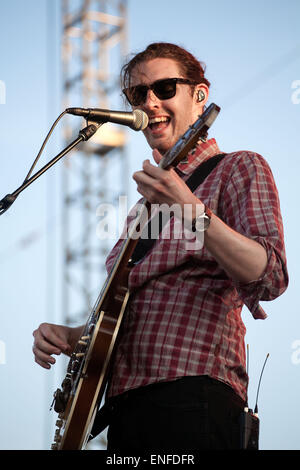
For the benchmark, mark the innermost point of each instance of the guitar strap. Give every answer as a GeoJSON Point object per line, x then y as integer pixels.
{"type": "Point", "coordinates": [145, 242]}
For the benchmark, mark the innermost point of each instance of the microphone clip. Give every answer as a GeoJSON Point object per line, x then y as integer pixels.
{"type": "Point", "coordinates": [90, 129]}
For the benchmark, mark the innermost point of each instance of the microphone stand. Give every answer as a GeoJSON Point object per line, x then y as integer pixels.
{"type": "Point", "coordinates": [84, 135]}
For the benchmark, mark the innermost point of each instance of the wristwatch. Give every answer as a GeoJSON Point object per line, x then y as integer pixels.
{"type": "Point", "coordinates": [202, 221]}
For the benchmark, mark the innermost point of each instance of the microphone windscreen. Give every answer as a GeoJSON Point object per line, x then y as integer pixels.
{"type": "Point", "coordinates": [141, 120]}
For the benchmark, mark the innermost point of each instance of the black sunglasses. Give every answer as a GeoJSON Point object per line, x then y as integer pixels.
{"type": "Point", "coordinates": [164, 89]}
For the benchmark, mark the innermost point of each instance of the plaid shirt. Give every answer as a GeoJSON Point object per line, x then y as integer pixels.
{"type": "Point", "coordinates": [184, 313]}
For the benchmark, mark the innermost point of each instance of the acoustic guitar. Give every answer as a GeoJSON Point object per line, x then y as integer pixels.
{"type": "Point", "coordinates": [83, 387]}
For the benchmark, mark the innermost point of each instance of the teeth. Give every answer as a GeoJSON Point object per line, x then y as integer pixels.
{"type": "Point", "coordinates": [157, 119]}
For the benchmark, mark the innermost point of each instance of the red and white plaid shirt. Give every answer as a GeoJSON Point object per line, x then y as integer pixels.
{"type": "Point", "coordinates": [184, 314]}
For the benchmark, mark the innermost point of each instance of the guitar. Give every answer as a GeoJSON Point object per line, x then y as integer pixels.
{"type": "Point", "coordinates": [83, 387]}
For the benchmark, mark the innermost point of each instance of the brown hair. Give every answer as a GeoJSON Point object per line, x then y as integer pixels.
{"type": "Point", "coordinates": [189, 66]}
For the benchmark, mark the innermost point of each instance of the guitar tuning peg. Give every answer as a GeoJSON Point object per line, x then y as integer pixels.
{"type": "Point", "coordinates": [79, 354]}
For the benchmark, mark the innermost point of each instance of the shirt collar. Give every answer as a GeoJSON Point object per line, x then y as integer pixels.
{"type": "Point", "coordinates": [199, 154]}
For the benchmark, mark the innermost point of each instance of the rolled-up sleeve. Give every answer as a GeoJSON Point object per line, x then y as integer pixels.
{"type": "Point", "coordinates": [251, 207]}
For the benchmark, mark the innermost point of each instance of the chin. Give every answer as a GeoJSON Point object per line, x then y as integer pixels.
{"type": "Point", "coordinates": [162, 145]}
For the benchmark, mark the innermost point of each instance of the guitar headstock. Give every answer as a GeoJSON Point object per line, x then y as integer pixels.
{"type": "Point", "coordinates": [189, 139]}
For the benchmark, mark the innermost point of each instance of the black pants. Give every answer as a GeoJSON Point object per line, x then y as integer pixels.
{"type": "Point", "coordinates": [192, 413]}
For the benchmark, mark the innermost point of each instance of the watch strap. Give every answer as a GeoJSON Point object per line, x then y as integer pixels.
{"type": "Point", "coordinates": [207, 212]}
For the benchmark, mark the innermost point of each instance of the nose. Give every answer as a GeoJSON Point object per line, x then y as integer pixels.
{"type": "Point", "coordinates": [151, 100]}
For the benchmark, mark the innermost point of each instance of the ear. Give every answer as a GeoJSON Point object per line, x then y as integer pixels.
{"type": "Point", "coordinates": [201, 94]}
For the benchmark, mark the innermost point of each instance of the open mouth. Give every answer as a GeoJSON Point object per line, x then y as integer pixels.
{"type": "Point", "coordinates": [158, 124]}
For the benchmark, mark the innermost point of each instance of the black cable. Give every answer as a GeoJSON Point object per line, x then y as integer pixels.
{"type": "Point", "coordinates": [256, 407]}
{"type": "Point", "coordinates": [9, 199]}
{"type": "Point", "coordinates": [43, 145]}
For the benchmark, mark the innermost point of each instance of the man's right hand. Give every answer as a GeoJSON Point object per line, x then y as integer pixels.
{"type": "Point", "coordinates": [50, 339]}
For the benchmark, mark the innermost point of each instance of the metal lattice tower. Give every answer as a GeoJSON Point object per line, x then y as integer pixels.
{"type": "Point", "coordinates": [94, 44]}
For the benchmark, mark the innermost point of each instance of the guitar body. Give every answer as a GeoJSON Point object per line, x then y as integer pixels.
{"type": "Point", "coordinates": [84, 385]}
{"type": "Point", "coordinates": [82, 389]}
{"type": "Point", "coordinates": [81, 408]}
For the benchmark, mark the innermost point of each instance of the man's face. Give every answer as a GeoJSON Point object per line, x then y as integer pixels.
{"type": "Point", "coordinates": [168, 119]}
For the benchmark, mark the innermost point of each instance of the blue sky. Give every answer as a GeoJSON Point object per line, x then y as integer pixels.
{"type": "Point", "coordinates": [252, 54]}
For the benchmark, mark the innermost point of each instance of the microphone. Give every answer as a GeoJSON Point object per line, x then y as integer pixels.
{"type": "Point", "coordinates": [137, 120]}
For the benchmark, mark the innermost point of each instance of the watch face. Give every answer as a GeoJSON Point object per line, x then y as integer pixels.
{"type": "Point", "coordinates": [202, 223]}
